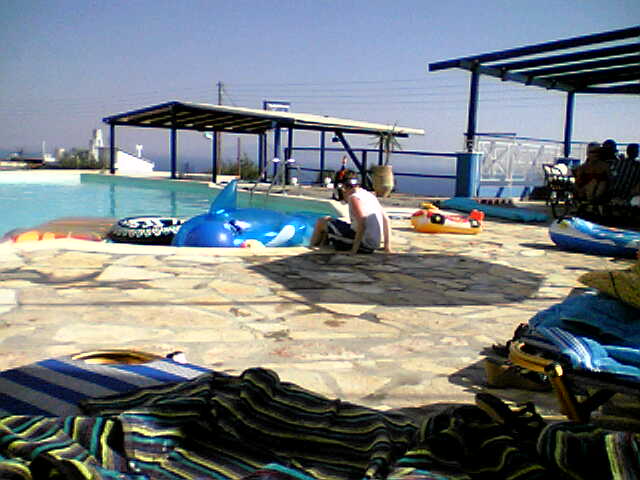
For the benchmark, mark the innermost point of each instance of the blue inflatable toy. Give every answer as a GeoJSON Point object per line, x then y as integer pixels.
{"type": "Point", "coordinates": [465, 204]}
{"type": "Point", "coordinates": [578, 235]}
{"type": "Point", "coordinates": [227, 226]}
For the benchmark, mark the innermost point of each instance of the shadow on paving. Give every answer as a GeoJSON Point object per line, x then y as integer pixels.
{"type": "Point", "coordinates": [540, 246]}
{"type": "Point", "coordinates": [407, 280]}
{"type": "Point", "coordinates": [472, 377]}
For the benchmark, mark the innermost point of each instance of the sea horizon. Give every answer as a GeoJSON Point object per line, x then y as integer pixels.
{"type": "Point", "coordinates": [411, 185]}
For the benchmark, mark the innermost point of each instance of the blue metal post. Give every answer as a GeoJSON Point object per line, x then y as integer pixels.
{"type": "Point", "coordinates": [276, 146]}
{"type": "Point", "coordinates": [288, 155]}
{"type": "Point", "coordinates": [473, 110]}
{"type": "Point", "coordinates": [262, 149]}
{"type": "Point", "coordinates": [174, 152]}
{"type": "Point", "coordinates": [468, 174]}
{"type": "Point", "coordinates": [214, 158]}
{"type": "Point", "coordinates": [322, 155]}
{"type": "Point", "coordinates": [112, 149]}
{"type": "Point", "coordinates": [260, 152]}
{"type": "Point", "coordinates": [568, 123]}
{"type": "Point", "coordinates": [290, 141]}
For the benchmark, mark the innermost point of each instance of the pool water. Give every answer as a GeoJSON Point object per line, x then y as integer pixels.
{"type": "Point", "coordinates": [32, 198]}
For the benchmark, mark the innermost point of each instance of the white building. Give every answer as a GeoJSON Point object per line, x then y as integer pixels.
{"type": "Point", "coordinates": [125, 162]}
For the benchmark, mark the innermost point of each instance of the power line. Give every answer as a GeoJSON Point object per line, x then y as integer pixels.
{"type": "Point", "coordinates": [352, 93]}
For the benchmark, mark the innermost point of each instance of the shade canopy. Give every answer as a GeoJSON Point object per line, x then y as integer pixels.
{"type": "Point", "coordinates": [227, 119]}
{"type": "Point", "coordinates": [570, 65]}
{"type": "Point", "coordinates": [203, 117]}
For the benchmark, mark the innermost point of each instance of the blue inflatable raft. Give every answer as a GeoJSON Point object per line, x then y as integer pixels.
{"type": "Point", "coordinates": [510, 213]}
{"type": "Point", "coordinates": [578, 235]}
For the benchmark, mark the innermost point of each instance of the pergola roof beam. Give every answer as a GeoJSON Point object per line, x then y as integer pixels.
{"type": "Point", "coordinates": [205, 124]}
{"type": "Point", "coordinates": [595, 77]}
{"type": "Point", "coordinates": [584, 66]}
{"type": "Point", "coordinates": [571, 57]}
{"type": "Point", "coordinates": [141, 113]}
{"type": "Point", "coordinates": [632, 88]}
{"type": "Point", "coordinates": [542, 48]}
{"type": "Point", "coordinates": [525, 79]}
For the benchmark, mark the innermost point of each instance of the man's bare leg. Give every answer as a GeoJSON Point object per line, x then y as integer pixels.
{"type": "Point", "coordinates": [319, 237]}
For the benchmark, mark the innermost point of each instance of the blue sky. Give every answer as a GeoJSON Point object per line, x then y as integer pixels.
{"type": "Point", "coordinates": [66, 64]}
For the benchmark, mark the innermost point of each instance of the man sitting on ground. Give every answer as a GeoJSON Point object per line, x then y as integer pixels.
{"type": "Point", "coordinates": [369, 223]}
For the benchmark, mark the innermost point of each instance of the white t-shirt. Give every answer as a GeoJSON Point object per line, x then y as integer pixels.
{"type": "Point", "coordinates": [373, 221]}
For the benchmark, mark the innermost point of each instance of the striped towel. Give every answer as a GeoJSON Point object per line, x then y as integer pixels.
{"type": "Point", "coordinates": [214, 426]}
{"type": "Point", "coordinates": [588, 354]}
{"type": "Point", "coordinates": [583, 451]}
{"type": "Point", "coordinates": [54, 387]}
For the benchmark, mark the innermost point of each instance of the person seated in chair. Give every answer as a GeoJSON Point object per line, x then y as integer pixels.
{"type": "Point", "coordinates": [594, 175]}
{"type": "Point", "coordinates": [609, 151]}
{"type": "Point", "coordinates": [632, 152]}
{"type": "Point", "coordinates": [369, 225]}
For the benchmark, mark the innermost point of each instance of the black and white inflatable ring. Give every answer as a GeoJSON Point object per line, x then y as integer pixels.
{"type": "Point", "coordinates": [145, 230]}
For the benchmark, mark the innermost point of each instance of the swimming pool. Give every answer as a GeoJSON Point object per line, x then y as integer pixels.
{"type": "Point", "coordinates": [31, 198]}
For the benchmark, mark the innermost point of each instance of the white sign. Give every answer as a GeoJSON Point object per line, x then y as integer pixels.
{"type": "Point", "coordinates": [275, 106]}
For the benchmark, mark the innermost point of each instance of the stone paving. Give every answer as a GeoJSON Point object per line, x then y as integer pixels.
{"type": "Point", "coordinates": [401, 330]}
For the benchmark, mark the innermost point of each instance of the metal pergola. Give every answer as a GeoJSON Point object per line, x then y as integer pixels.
{"type": "Point", "coordinates": [201, 117]}
{"type": "Point", "coordinates": [571, 65]}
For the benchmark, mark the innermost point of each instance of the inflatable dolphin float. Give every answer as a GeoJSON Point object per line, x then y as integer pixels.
{"type": "Point", "coordinates": [227, 226]}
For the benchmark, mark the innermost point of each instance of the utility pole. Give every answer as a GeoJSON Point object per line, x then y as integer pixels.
{"type": "Point", "coordinates": [218, 135]}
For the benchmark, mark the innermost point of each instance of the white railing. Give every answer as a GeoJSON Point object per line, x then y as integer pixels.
{"type": "Point", "coordinates": [510, 159]}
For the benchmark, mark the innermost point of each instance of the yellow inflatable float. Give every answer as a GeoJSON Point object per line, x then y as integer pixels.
{"type": "Point", "coordinates": [430, 219]}
{"type": "Point", "coordinates": [82, 228]}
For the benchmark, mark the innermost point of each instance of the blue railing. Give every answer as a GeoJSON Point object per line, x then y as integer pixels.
{"type": "Point", "coordinates": [369, 157]}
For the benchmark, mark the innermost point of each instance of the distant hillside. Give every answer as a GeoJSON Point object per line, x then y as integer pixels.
{"type": "Point", "coordinates": [4, 153]}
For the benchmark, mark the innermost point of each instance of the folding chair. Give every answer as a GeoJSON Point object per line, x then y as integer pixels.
{"type": "Point", "coordinates": [560, 185]}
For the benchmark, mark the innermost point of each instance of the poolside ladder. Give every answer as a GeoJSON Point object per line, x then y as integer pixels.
{"type": "Point", "coordinates": [280, 175]}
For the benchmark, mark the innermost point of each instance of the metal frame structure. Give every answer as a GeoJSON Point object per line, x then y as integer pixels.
{"type": "Point", "coordinates": [571, 65]}
{"type": "Point", "coordinates": [202, 117]}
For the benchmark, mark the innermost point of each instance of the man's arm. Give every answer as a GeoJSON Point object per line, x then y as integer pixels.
{"type": "Point", "coordinates": [359, 226]}
{"type": "Point", "coordinates": [386, 232]}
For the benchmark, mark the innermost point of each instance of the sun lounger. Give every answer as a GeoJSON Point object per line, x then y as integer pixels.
{"type": "Point", "coordinates": [579, 392]}
{"type": "Point", "coordinates": [588, 344]}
